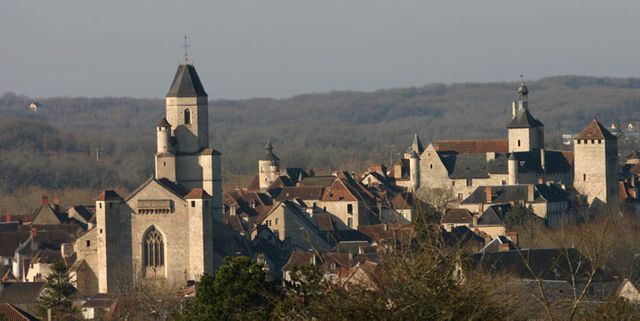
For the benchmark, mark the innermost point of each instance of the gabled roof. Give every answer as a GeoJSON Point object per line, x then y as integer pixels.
{"type": "Point", "coordinates": [595, 130]}
{"type": "Point", "coordinates": [524, 119]}
{"type": "Point", "coordinates": [544, 264]}
{"type": "Point", "coordinates": [186, 83]}
{"type": "Point", "coordinates": [10, 312]}
{"type": "Point", "coordinates": [494, 215]}
{"type": "Point", "coordinates": [21, 292]}
{"type": "Point", "coordinates": [197, 193]}
{"type": "Point", "coordinates": [457, 216]}
{"type": "Point", "coordinates": [10, 241]}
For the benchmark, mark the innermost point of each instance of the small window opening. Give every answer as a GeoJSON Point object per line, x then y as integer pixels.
{"type": "Point", "coordinates": [88, 243]}
{"type": "Point", "coordinates": [584, 177]}
{"type": "Point", "coordinates": [518, 143]}
{"type": "Point", "coordinates": [350, 208]}
{"type": "Point", "coordinates": [187, 116]}
{"type": "Point", "coordinates": [193, 203]}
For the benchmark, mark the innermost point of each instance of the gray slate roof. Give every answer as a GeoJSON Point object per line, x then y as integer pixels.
{"type": "Point", "coordinates": [186, 83]}
{"type": "Point", "coordinates": [524, 119]}
{"type": "Point", "coordinates": [503, 194]}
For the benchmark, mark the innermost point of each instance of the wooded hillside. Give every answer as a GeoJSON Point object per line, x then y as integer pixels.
{"type": "Point", "coordinates": [55, 147]}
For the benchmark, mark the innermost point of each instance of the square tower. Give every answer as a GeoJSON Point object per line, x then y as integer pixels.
{"type": "Point", "coordinates": [525, 132]}
{"type": "Point", "coordinates": [596, 163]}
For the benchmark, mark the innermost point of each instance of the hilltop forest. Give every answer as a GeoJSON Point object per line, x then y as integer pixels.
{"type": "Point", "coordinates": [54, 149]}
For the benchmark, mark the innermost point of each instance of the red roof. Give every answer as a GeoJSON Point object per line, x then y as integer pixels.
{"type": "Point", "coordinates": [197, 193]}
{"type": "Point", "coordinates": [595, 130]}
{"type": "Point", "coordinates": [109, 195]}
{"type": "Point", "coordinates": [473, 146]}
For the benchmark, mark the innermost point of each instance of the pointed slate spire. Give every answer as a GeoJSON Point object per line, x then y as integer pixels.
{"type": "Point", "coordinates": [186, 83]}
{"type": "Point", "coordinates": [416, 145]}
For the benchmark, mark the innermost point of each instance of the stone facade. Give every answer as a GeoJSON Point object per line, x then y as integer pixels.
{"type": "Point", "coordinates": [164, 230]}
{"type": "Point", "coordinates": [596, 164]}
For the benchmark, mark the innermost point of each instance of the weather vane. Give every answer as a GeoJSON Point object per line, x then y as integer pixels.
{"type": "Point", "coordinates": [186, 48]}
{"type": "Point", "coordinates": [522, 79]}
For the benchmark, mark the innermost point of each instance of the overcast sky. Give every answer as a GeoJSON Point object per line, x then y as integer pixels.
{"type": "Point", "coordinates": [279, 48]}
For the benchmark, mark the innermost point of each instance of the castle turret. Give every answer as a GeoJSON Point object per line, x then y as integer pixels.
{"type": "Point", "coordinates": [414, 172]}
{"type": "Point", "coordinates": [111, 242]}
{"type": "Point", "coordinates": [525, 132]}
{"type": "Point", "coordinates": [163, 136]}
{"type": "Point", "coordinates": [268, 167]}
{"type": "Point", "coordinates": [513, 169]}
{"type": "Point", "coordinates": [596, 163]}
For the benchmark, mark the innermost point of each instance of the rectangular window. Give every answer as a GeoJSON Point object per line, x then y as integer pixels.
{"type": "Point", "coordinates": [469, 181]}
{"type": "Point", "coordinates": [584, 177]}
{"type": "Point", "coordinates": [350, 222]}
{"type": "Point", "coordinates": [277, 219]}
{"type": "Point", "coordinates": [459, 196]}
{"type": "Point", "coordinates": [88, 243]}
{"type": "Point", "coordinates": [453, 183]}
{"type": "Point", "coordinates": [350, 209]}
{"type": "Point", "coordinates": [268, 222]}
{"type": "Point", "coordinates": [193, 203]}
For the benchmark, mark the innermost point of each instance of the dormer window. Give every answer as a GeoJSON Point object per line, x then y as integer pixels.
{"type": "Point", "coordinates": [187, 116]}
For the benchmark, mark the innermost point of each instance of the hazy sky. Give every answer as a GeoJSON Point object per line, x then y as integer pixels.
{"type": "Point", "coordinates": [278, 48]}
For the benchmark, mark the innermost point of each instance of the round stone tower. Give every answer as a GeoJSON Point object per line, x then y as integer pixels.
{"type": "Point", "coordinates": [268, 167]}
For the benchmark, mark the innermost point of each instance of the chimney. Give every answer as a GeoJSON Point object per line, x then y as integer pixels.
{"type": "Point", "coordinates": [232, 210]}
{"type": "Point", "coordinates": [542, 160]}
{"type": "Point", "coordinates": [474, 220]}
{"type": "Point", "coordinates": [513, 109]}
{"type": "Point", "coordinates": [503, 247]}
{"type": "Point", "coordinates": [491, 156]}
{"type": "Point", "coordinates": [489, 194]}
{"type": "Point", "coordinates": [530, 193]}
{"type": "Point", "coordinates": [44, 200]}
{"type": "Point", "coordinates": [7, 218]}
{"type": "Point", "coordinates": [56, 204]}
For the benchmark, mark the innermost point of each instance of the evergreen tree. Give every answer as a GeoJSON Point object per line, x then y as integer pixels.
{"type": "Point", "coordinates": [57, 293]}
{"type": "Point", "coordinates": [239, 291]}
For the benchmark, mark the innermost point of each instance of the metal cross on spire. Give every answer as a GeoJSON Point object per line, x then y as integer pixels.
{"type": "Point", "coordinates": [186, 48]}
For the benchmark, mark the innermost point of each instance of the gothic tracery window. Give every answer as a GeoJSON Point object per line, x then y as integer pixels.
{"type": "Point", "coordinates": [153, 248]}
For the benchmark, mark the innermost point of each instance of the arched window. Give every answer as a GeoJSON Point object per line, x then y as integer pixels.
{"type": "Point", "coordinates": [187, 116]}
{"type": "Point", "coordinates": [153, 248]}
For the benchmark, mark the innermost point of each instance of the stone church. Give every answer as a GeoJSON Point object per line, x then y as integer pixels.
{"type": "Point", "coordinates": [164, 230]}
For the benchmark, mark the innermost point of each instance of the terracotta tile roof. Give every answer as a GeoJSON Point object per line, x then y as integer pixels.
{"type": "Point", "coordinates": [197, 193]}
{"type": "Point", "coordinates": [300, 258]}
{"type": "Point", "coordinates": [300, 192]}
{"type": "Point", "coordinates": [457, 216]}
{"type": "Point", "coordinates": [109, 195]}
{"type": "Point", "coordinates": [10, 312]}
{"type": "Point", "coordinates": [481, 146]}
{"type": "Point", "coordinates": [595, 130]}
